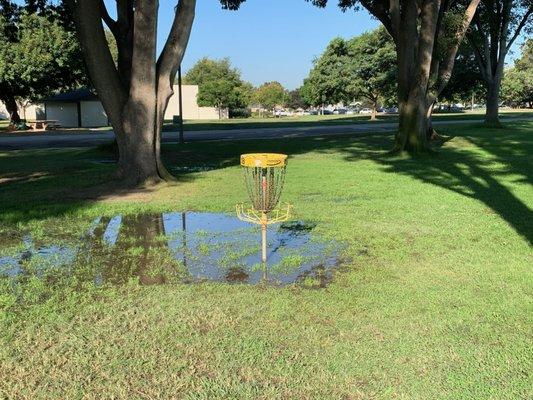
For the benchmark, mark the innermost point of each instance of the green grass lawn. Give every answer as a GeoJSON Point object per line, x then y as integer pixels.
{"type": "Point", "coordinates": [435, 301]}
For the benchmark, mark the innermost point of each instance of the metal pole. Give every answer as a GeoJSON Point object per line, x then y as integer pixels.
{"type": "Point", "coordinates": [264, 217]}
{"type": "Point", "coordinates": [184, 229]}
{"type": "Point", "coordinates": [264, 242]}
{"type": "Point", "coordinates": [180, 105]}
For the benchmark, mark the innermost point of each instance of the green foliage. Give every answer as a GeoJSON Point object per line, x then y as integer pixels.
{"type": "Point", "coordinates": [452, 22]}
{"type": "Point", "coordinates": [517, 85]}
{"type": "Point", "coordinates": [329, 79]}
{"type": "Point", "coordinates": [270, 95]}
{"type": "Point", "coordinates": [206, 70]}
{"type": "Point", "coordinates": [295, 100]}
{"type": "Point", "coordinates": [466, 80]}
{"type": "Point", "coordinates": [112, 44]}
{"type": "Point", "coordinates": [372, 67]}
{"type": "Point", "coordinates": [362, 67]}
{"type": "Point", "coordinates": [220, 85]}
{"type": "Point", "coordinates": [40, 58]}
{"type": "Point", "coordinates": [525, 62]}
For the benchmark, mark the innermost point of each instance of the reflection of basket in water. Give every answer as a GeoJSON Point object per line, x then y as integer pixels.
{"type": "Point", "coordinates": [264, 175]}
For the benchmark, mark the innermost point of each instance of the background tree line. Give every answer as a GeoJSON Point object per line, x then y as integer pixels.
{"type": "Point", "coordinates": [221, 86]}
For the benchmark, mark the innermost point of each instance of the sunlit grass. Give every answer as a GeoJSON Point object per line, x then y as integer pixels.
{"type": "Point", "coordinates": [434, 302]}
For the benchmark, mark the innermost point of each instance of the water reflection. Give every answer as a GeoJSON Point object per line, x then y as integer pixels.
{"type": "Point", "coordinates": [183, 246]}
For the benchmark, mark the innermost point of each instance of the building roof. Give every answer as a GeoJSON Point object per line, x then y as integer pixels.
{"type": "Point", "coordinates": [73, 96]}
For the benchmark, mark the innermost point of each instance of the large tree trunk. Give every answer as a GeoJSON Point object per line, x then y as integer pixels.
{"type": "Point", "coordinates": [493, 103]}
{"type": "Point", "coordinates": [137, 153]}
{"type": "Point", "coordinates": [135, 96]}
{"type": "Point", "coordinates": [12, 109]}
{"type": "Point", "coordinates": [374, 110]}
{"type": "Point", "coordinates": [422, 75]}
{"type": "Point", "coordinates": [415, 66]}
{"type": "Point", "coordinates": [491, 41]}
{"type": "Point", "coordinates": [413, 125]}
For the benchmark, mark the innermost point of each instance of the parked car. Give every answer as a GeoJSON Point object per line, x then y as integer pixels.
{"type": "Point", "coordinates": [365, 111]}
{"type": "Point", "coordinates": [339, 111]}
{"type": "Point", "coordinates": [391, 110]}
{"type": "Point", "coordinates": [327, 112]}
{"type": "Point", "coordinates": [282, 113]}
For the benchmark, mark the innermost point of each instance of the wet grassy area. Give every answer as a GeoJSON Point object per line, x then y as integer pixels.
{"type": "Point", "coordinates": [177, 247]}
{"type": "Point", "coordinates": [434, 299]}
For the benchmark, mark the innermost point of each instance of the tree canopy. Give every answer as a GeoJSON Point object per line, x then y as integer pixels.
{"type": "Point", "coordinates": [220, 85]}
{"type": "Point", "coordinates": [295, 100]}
{"type": "Point", "coordinates": [329, 79]}
{"type": "Point", "coordinates": [37, 55]}
{"type": "Point", "coordinates": [466, 80]}
{"type": "Point", "coordinates": [363, 67]}
{"type": "Point", "coordinates": [270, 95]}
{"type": "Point", "coordinates": [372, 67]}
{"type": "Point", "coordinates": [517, 85]}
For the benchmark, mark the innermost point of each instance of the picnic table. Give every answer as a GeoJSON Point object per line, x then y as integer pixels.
{"type": "Point", "coordinates": [43, 124]}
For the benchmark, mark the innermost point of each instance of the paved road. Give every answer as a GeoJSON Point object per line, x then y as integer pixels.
{"type": "Point", "coordinates": [95, 138]}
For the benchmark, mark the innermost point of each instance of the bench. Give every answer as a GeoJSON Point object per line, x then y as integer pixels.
{"type": "Point", "coordinates": [43, 124]}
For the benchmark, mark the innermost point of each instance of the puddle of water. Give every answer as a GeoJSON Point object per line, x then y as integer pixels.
{"type": "Point", "coordinates": [187, 247]}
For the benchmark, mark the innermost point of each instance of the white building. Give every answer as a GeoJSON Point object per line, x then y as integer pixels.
{"type": "Point", "coordinates": [82, 109]}
{"type": "Point", "coordinates": [26, 111]}
{"type": "Point", "coordinates": [191, 109]}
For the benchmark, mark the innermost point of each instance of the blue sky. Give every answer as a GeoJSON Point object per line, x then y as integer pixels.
{"type": "Point", "coordinates": [266, 39]}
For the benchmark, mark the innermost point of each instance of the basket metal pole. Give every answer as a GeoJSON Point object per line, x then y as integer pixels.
{"type": "Point", "coordinates": [263, 237]}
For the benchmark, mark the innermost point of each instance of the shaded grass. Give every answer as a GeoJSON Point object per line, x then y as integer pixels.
{"type": "Point", "coordinates": [436, 302]}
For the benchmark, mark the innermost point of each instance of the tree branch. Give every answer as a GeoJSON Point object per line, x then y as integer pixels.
{"type": "Point", "coordinates": [447, 66]}
{"type": "Point", "coordinates": [505, 16]}
{"type": "Point", "coordinates": [110, 22]}
{"type": "Point", "coordinates": [98, 59]}
{"type": "Point", "coordinates": [172, 54]}
{"type": "Point", "coordinates": [520, 26]}
{"type": "Point", "coordinates": [486, 47]}
{"type": "Point", "coordinates": [478, 56]}
{"type": "Point", "coordinates": [394, 12]}
{"type": "Point", "coordinates": [378, 10]}
{"type": "Point", "coordinates": [170, 60]}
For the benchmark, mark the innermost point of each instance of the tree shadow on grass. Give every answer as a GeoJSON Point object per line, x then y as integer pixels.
{"type": "Point", "coordinates": [39, 184]}
{"type": "Point", "coordinates": [471, 165]}
{"type": "Point", "coordinates": [471, 160]}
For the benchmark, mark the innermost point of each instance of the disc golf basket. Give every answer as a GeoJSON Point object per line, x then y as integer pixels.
{"type": "Point", "coordinates": [264, 175]}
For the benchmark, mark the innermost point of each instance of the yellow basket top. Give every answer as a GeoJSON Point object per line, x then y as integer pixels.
{"type": "Point", "coordinates": [263, 160]}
